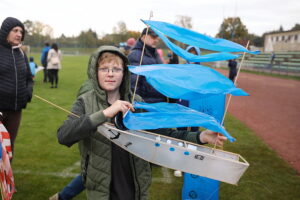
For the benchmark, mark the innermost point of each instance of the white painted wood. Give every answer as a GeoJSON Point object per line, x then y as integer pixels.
{"type": "Point", "coordinates": [179, 155]}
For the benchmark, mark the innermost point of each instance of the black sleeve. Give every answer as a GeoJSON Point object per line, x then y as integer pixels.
{"type": "Point", "coordinates": [134, 57]}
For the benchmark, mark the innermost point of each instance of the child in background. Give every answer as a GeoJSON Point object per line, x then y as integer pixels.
{"type": "Point", "coordinates": [33, 66]}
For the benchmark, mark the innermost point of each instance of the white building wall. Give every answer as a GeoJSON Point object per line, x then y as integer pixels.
{"type": "Point", "coordinates": [285, 41]}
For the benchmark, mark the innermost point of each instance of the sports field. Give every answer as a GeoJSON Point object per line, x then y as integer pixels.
{"type": "Point", "coordinates": [42, 166]}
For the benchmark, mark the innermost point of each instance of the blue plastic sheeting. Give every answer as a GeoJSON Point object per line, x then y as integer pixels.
{"type": "Point", "coordinates": [186, 81]}
{"type": "Point", "coordinates": [192, 57]}
{"type": "Point", "coordinates": [213, 105]}
{"type": "Point", "coordinates": [199, 188]}
{"type": "Point", "coordinates": [171, 115]}
{"type": "Point", "coordinates": [196, 39]}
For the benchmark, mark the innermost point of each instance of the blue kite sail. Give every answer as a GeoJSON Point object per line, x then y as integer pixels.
{"type": "Point", "coordinates": [169, 115]}
{"type": "Point", "coordinates": [187, 81]}
{"type": "Point", "coordinates": [196, 39]}
{"type": "Point", "coordinates": [192, 57]}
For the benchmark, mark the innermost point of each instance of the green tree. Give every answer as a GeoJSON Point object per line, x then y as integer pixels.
{"type": "Point", "coordinates": [296, 27]}
{"type": "Point", "coordinates": [280, 29]}
{"type": "Point", "coordinates": [233, 29]}
{"type": "Point", "coordinates": [256, 40]}
{"type": "Point", "coordinates": [88, 39]}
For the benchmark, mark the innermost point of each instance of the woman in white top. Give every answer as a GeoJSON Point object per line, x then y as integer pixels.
{"type": "Point", "coordinates": [54, 64]}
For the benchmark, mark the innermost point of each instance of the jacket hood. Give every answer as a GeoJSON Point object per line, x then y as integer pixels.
{"type": "Point", "coordinates": [198, 52]}
{"type": "Point", "coordinates": [195, 48]}
{"type": "Point", "coordinates": [92, 72]}
{"type": "Point", "coordinates": [8, 24]}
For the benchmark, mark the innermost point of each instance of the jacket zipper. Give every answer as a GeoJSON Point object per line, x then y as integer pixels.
{"type": "Point", "coordinates": [16, 76]}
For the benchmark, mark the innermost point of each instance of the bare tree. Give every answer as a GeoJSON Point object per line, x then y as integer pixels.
{"type": "Point", "coordinates": [121, 28]}
{"type": "Point", "coordinates": [184, 21]}
{"type": "Point", "coordinates": [38, 28]}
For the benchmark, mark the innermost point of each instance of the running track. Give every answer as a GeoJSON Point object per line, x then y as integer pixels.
{"type": "Point", "coordinates": [272, 111]}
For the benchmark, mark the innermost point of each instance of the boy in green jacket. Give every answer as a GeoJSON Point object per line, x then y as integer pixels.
{"type": "Point", "coordinates": [108, 171]}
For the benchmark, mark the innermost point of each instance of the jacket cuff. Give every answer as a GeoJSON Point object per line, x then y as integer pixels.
{"type": "Point", "coordinates": [193, 137]}
{"type": "Point", "coordinates": [198, 139]}
{"type": "Point", "coordinates": [97, 118]}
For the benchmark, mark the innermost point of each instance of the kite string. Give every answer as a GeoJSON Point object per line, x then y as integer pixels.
{"type": "Point", "coordinates": [229, 98]}
{"type": "Point", "coordinates": [61, 108]}
{"type": "Point", "coordinates": [141, 60]}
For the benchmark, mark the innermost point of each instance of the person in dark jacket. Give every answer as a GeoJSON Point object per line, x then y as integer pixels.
{"type": "Point", "coordinates": [15, 77]}
{"type": "Point", "coordinates": [173, 58]}
{"type": "Point", "coordinates": [108, 171]}
{"type": "Point", "coordinates": [44, 56]}
{"type": "Point", "coordinates": [144, 89]}
{"type": "Point", "coordinates": [232, 64]}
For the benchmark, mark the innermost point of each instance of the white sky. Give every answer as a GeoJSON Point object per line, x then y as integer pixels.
{"type": "Point", "coordinates": [72, 16]}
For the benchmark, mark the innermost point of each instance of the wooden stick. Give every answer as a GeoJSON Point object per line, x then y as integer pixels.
{"type": "Point", "coordinates": [227, 105]}
{"type": "Point", "coordinates": [141, 60]}
{"type": "Point", "coordinates": [240, 66]}
{"type": "Point", "coordinates": [55, 105]}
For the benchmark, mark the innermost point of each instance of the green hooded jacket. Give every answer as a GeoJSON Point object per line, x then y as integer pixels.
{"type": "Point", "coordinates": [94, 148]}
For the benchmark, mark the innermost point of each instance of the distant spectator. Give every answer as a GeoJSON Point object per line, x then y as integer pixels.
{"type": "Point", "coordinates": [150, 57]}
{"type": "Point", "coordinates": [172, 58]}
{"type": "Point", "coordinates": [161, 55]}
{"type": "Point", "coordinates": [33, 66]}
{"type": "Point", "coordinates": [273, 56]}
{"type": "Point", "coordinates": [130, 43]}
{"type": "Point", "coordinates": [54, 65]}
{"type": "Point", "coordinates": [232, 64]}
{"type": "Point", "coordinates": [195, 51]}
{"type": "Point", "coordinates": [44, 56]}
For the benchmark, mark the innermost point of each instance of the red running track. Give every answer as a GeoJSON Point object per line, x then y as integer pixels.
{"type": "Point", "coordinates": [273, 111]}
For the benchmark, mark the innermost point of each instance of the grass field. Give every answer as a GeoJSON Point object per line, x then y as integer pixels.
{"type": "Point", "coordinates": [42, 166]}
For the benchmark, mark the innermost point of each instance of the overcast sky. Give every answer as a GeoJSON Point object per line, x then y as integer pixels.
{"type": "Point", "coordinates": [72, 16]}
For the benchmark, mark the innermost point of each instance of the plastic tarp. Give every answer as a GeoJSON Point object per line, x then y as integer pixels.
{"type": "Point", "coordinates": [192, 57]}
{"type": "Point", "coordinates": [196, 39]}
{"type": "Point", "coordinates": [170, 115]}
{"type": "Point", "coordinates": [186, 81]}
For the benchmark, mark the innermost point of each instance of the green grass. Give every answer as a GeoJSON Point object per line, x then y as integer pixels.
{"type": "Point", "coordinates": [38, 156]}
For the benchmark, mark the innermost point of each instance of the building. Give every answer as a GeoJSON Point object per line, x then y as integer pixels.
{"type": "Point", "coordinates": [282, 41]}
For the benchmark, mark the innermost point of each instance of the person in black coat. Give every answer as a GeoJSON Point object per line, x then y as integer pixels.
{"type": "Point", "coordinates": [232, 64]}
{"type": "Point", "coordinates": [15, 77]}
{"type": "Point", "coordinates": [173, 58]}
{"type": "Point", "coordinates": [144, 89]}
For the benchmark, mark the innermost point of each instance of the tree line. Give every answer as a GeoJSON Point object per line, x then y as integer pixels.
{"type": "Point", "coordinates": [232, 28]}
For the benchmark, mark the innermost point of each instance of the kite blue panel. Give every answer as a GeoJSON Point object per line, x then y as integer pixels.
{"type": "Point", "coordinates": [196, 58]}
{"type": "Point", "coordinates": [187, 81]}
{"type": "Point", "coordinates": [212, 105]}
{"type": "Point", "coordinates": [196, 39]}
{"type": "Point", "coordinates": [199, 188]}
{"type": "Point", "coordinates": [171, 115]}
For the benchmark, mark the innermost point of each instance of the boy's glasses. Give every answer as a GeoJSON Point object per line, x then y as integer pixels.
{"type": "Point", "coordinates": [114, 70]}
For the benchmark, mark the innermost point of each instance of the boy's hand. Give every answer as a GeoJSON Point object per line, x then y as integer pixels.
{"type": "Point", "coordinates": [116, 107]}
{"type": "Point", "coordinates": [211, 137]}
